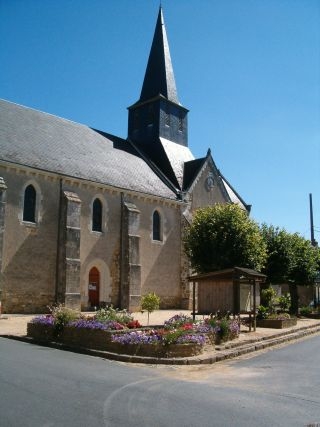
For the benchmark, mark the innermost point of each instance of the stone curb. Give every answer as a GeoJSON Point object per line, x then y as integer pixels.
{"type": "Point", "coordinates": [228, 351]}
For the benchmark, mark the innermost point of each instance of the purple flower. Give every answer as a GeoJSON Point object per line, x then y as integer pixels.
{"type": "Point", "coordinates": [203, 328]}
{"type": "Point", "coordinates": [44, 320]}
{"type": "Point", "coordinates": [191, 338]}
{"type": "Point", "coordinates": [177, 320]}
{"type": "Point", "coordinates": [94, 324]}
{"type": "Point", "coordinates": [154, 337]}
{"type": "Point", "coordinates": [234, 327]}
{"type": "Point", "coordinates": [136, 337]}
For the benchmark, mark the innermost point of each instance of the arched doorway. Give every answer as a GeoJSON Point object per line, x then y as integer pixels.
{"type": "Point", "coordinates": [93, 287]}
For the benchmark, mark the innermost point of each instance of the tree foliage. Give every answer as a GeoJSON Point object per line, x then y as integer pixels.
{"type": "Point", "coordinates": [150, 302]}
{"type": "Point", "coordinates": [291, 258]}
{"type": "Point", "coordinates": [223, 236]}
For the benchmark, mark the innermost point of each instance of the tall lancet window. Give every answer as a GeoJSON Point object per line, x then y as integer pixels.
{"type": "Point", "coordinates": [156, 226]}
{"type": "Point", "coordinates": [29, 204]}
{"type": "Point", "coordinates": [97, 215]}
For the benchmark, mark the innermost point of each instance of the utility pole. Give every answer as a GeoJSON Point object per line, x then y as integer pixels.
{"type": "Point", "coordinates": [313, 242]}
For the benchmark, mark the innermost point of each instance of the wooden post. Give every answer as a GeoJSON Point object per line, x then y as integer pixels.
{"type": "Point", "coordinates": [193, 301]}
{"type": "Point", "coordinates": [254, 306]}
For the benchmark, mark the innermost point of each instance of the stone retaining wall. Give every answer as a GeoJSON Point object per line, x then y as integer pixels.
{"type": "Point", "coordinates": [276, 323]}
{"type": "Point", "coordinates": [101, 340]}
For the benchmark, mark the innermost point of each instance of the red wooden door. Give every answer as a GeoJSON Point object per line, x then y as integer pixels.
{"type": "Point", "coordinates": [93, 287]}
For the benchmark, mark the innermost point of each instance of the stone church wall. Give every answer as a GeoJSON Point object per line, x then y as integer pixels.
{"type": "Point", "coordinates": [100, 249]}
{"type": "Point", "coordinates": [160, 260]}
{"type": "Point", "coordinates": [29, 250]}
{"type": "Point", "coordinates": [206, 190]}
{"type": "Point", "coordinates": [29, 266]}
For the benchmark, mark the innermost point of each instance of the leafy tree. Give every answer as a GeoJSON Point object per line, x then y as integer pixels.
{"type": "Point", "coordinates": [291, 259]}
{"type": "Point", "coordinates": [223, 236]}
{"type": "Point", "coordinates": [279, 250]}
{"type": "Point", "coordinates": [150, 302]}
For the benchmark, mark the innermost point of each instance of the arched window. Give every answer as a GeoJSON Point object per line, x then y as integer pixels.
{"type": "Point", "coordinates": [156, 226]}
{"type": "Point", "coordinates": [97, 215]}
{"type": "Point", "coordinates": [29, 204]}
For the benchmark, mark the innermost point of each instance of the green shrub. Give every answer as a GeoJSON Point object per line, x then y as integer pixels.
{"type": "Point", "coordinates": [279, 316]}
{"type": "Point", "coordinates": [285, 302]}
{"type": "Point", "coordinates": [304, 311]}
{"type": "Point", "coordinates": [63, 315]}
{"type": "Point", "coordinates": [172, 336]}
{"type": "Point", "coordinates": [263, 312]}
{"type": "Point", "coordinates": [115, 314]}
{"type": "Point", "coordinates": [269, 299]}
{"type": "Point", "coordinates": [224, 328]}
{"type": "Point", "coordinates": [150, 302]}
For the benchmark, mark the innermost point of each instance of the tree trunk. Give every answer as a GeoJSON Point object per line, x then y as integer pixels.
{"type": "Point", "coordinates": [293, 289]}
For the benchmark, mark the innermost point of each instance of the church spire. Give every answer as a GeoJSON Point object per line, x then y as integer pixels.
{"type": "Point", "coordinates": [159, 77]}
{"type": "Point", "coordinates": [158, 114]}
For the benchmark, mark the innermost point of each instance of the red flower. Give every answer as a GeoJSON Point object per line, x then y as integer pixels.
{"type": "Point", "coordinates": [134, 324]}
{"type": "Point", "coordinates": [187, 326]}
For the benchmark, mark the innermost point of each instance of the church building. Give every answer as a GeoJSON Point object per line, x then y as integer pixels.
{"type": "Point", "coordinates": [90, 219]}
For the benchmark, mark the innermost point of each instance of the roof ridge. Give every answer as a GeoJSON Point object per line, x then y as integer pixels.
{"type": "Point", "coordinates": [44, 112]}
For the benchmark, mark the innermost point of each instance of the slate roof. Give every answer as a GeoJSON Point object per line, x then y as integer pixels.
{"type": "Point", "coordinates": [191, 170]}
{"type": "Point", "coordinates": [46, 142]}
{"type": "Point", "coordinates": [177, 155]}
{"type": "Point", "coordinates": [159, 78]}
{"type": "Point", "coordinates": [233, 195]}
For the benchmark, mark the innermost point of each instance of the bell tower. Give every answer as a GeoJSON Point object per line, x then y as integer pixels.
{"type": "Point", "coordinates": [158, 113]}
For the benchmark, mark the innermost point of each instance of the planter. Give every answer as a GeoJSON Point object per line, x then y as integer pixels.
{"type": "Point", "coordinates": [101, 340]}
{"type": "Point", "coordinates": [276, 323]}
{"type": "Point", "coordinates": [43, 333]}
{"type": "Point", "coordinates": [157, 350]}
{"type": "Point", "coordinates": [312, 315]}
{"type": "Point", "coordinates": [95, 339]}
{"type": "Point", "coordinates": [81, 337]}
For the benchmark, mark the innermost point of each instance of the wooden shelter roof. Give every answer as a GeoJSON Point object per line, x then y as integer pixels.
{"type": "Point", "coordinates": [235, 273]}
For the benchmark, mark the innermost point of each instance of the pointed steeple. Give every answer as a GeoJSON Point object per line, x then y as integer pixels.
{"type": "Point", "coordinates": [157, 122]}
{"type": "Point", "coordinates": [159, 77]}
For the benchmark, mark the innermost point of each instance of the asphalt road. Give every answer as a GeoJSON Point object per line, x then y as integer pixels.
{"type": "Point", "coordinates": [47, 387]}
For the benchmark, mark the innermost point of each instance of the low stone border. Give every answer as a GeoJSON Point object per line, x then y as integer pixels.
{"type": "Point", "coordinates": [276, 323]}
{"type": "Point", "coordinates": [312, 315]}
{"type": "Point", "coordinates": [228, 351]}
{"type": "Point", "coordinates": [101, 340]}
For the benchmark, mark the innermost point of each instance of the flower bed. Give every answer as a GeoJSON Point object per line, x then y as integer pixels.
{"type": "Point", "coordinates": [99, 339]}
{"type": "Point", "coordinates": [276, 323]}
{"type": "Point", "coordinates": [179, 337]}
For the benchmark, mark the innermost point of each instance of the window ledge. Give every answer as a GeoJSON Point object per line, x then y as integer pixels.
{"type": "Point", "coordinates": [30, 224]}
{"type": "Point", "coordinates": [96, 233]}
{"type": "Point", "coordinates": [157, 242]}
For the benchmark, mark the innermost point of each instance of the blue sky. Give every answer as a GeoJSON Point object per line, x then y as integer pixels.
{"type": "Point", "coordinates": [248, 71]}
